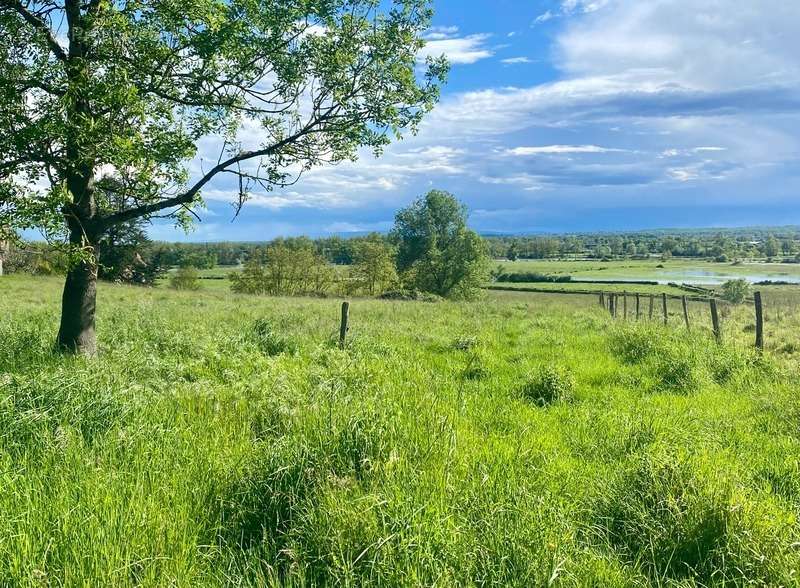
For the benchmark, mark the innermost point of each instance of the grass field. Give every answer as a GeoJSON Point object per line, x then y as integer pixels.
{"type": "Point", "coordinates": [523, 440]}
{"type": "Point", "coordinates": [672, 270]}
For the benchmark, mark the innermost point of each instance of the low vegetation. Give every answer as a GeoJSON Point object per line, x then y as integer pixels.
{"type": "Point", "coordinates": [523, 440]}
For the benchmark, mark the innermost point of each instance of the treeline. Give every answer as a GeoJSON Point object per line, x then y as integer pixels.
{"type": "Point", "coordinates": [782, 244]}
{"type": "Point", "coordinates": [430, 251]}
{"type": "Point", "coordinates": [335, 250]}
{"type": "Point", "coordinates": [727, 245]}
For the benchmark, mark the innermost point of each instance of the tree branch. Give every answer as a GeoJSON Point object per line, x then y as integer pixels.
{"type": "Point", "coordinates": [190, 194]}
{"type": "Point", "coordinates": [38, 24]}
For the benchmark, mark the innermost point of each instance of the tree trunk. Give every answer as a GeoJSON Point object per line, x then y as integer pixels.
{"type": "Point", "coordinates": [76, 334]}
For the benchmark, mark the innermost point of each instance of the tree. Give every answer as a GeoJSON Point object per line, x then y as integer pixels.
{"type": "Point", "coordinates": [284, 267]}
{"type": "Point", "coordinates": [127, 89]}
{"type": "Point", "coordinates": [771, 246]}
{"type": "Point", "coordinates": [436, 251]}
{"type": "Point", "coordinates": [512, 253]}
{"type": "Point", "coordinates": [373, 269]}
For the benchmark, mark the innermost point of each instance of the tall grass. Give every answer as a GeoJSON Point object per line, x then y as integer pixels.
{"type": "Point", "coordinates": [526, 440]}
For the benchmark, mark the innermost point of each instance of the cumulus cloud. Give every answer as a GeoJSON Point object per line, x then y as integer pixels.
{"type": "Point", "coordinates": [458, 49]}
{"type": "Point", "coordinates": [668, 95]}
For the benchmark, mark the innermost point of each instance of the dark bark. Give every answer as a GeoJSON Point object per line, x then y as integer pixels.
{"type": "Point", "coordinates": [76, 334]}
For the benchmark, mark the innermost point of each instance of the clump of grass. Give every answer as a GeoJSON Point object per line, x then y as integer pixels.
{"type": "Point", "coordinates": [269, 341]}
{"type": "Point", "coordinates": [678, 521]}
{"type": "Point", "coordinates": [660, 515]}
{"type": "Point", "coordinates": [550, 385]}
{"type": "Point", "coordinates": [679, 372]}
{"type": "Point", "coordinates": [635, 344]}
{"type": "Point", "coordinates": [477, 367]}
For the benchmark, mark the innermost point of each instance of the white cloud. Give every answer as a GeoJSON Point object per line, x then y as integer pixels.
{"type": "Point", "coordinates": [516, 60]}
{"type": "Point", "coordinates": [560, 149]}
{"type": "Point", "coordinates": [458, 50]}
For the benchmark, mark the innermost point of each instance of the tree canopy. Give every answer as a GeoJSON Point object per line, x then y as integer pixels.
{"type": "Point", "coordinates": [436, 251]}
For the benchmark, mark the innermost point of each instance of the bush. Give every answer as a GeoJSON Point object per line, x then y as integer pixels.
{"type": "Point", "coordinates": [735, 291]}
{"type": "Point", "coordinates": [185, 278]}
{"type": "Point", "coordinates": [550, 385]}
{"type": "Point", "coordinates": [412, 294]}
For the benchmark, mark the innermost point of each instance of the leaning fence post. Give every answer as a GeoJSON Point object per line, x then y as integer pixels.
{"type": "Point", "coordinates": [650, 312]}
{"type": "Point", "coordinates": [759, 322]}
{"type": "Point", "coordinates": [686, 312]}
{"type": "Point", "coordinates": [637, 307]}
{"type": "Point", "coordinates": [343, 327]}
{"type": "Point", "coordinates": [664, 307]}
{"type": "Point", "coordinates": [715, 320]}
{"type": "Point", "coordinates": [624, 305]}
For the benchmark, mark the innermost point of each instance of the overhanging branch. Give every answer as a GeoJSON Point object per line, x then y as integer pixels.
{"type": "Point", "coordinates": [37, 23]}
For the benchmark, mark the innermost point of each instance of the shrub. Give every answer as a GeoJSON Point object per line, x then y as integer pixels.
{"type": "Point", "coordinates": [185, 278]}
{"type": "Point", "coordinates": [550, 385]}
{"type": "Point", "coordinates": [736, 291]}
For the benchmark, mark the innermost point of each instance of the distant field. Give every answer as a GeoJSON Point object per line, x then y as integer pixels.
{"type": "Point", "coordinates": [699, 272]}
{"type": "Point", "coordinates": [569, 286]}
{"type": "Point", "coordinates": [520, 440]}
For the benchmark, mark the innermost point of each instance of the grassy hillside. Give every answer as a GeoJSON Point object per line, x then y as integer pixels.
{"type": "Point", "coordinates": [524, 440]}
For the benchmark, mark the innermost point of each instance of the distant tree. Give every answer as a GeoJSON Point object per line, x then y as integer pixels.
{"type": "Point", "coordinates": [736, 291]}
{"type": "Point", "coordinates": [512, 253]}
{"type": "Point", "coordinates": [787, 245]}
{"type": "Point", "coordinates": [771, 246]}
{"type": "Point", "coordinates": [185, 278]}
{"type": "Point", "coordinates": [373, 270]}
{"type": "Point", "coordinates": [437, 253]}
{"type": "Point", "coordinates": [285, 267]}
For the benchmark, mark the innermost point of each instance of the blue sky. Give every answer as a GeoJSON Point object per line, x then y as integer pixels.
{"type": "Point", "coordinates": [576, 115]}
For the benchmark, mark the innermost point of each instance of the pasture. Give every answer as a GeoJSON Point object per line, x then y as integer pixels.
{"type": "Point", "coordinates": [525, 439]}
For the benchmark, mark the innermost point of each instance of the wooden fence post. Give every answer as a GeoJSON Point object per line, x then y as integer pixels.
{"type": "Point", "coordinates": [602, 299]}
{"type": "Point", "coordinates": [343, 327]}
{"type": "Point", "coordinates": [664, 307]}
{"type": "Point", "coordinates": [686, 312]}
{"type": "Point", "coordinates": [650, 313]}
{"type": "Point", "coordinates": [759, 322]}
{"type": "Point", "coordinates": [715, 320]}
{"type": "Point", "coordinates": [624, 305]}
{"type": "Point", "coordinates": [638, 314]}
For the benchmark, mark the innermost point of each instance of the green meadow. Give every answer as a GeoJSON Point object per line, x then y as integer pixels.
{"type": "Point", "coordinates": [519, 440]}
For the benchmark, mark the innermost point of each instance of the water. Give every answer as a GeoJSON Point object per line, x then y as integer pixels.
{"type": "Point", "coordinates": [698, 277]}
